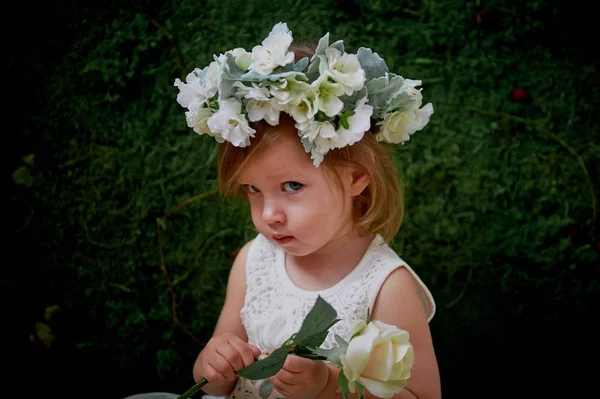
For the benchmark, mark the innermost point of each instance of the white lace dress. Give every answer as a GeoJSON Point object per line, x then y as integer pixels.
{"type": "Point", "coordinates": [274, 307]}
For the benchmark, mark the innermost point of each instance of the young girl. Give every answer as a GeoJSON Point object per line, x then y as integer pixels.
{"type": "Point", "coordinates": [302, 142]}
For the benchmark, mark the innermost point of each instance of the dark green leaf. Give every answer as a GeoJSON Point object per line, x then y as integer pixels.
{"type": "Point", "coordinates": [316, 324]}
{"type": "Point", "coordinates": [361, 389]}
{"type": "Point", "coordinates": [22, 176]}
{"type": "Point", "coordinates": [343, 384]}
{"type": "Point", "coordinates": [266, 367]}
{"type": "Point", "coordinates": [29, 159]}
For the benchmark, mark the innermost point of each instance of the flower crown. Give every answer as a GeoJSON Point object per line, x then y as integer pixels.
{"type": "Point", "coordinates": [332, 103]}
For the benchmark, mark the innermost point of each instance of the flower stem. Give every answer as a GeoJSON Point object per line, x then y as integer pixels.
{"type": "Point", "coordinates": [197, 387]}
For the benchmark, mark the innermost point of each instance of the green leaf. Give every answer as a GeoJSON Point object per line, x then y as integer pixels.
{"type": "Point", "coordinates": [351, 100]}
{"type": "Point", "coordinates": [333, 354]}
{"type": "Point", "coordinates": [267, 367]}
{"type": "Point", "coordinates": [29, 159]}
{"type": "Point", "coordinates": [162, 223]}
{"type": "Point", "coordinates": [316, 325]}
{"type": "Point", "coordinates": [343, 121]}
{"type": "Point", "coordinates": [22, 176]}
{"type": "Point", "coordinates": [382, 91]}
{"type": "Point", "coordinates": [321, 46]}
{"type": "Point", "coordinates": [231, 72]}
{"type": "Point", "coordinates": [361, 389]}
{"type": "Point", "coordinates": [300, 65]}
{"type": "Point", "coordinates": [343, 384]}
{"type": "Point", "coordinates": [372, 63]}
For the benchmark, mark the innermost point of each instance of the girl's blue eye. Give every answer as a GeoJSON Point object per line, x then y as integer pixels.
{"type": "Point", "coordinates": [292, 186]}
{"type": "Point", "coordinates": [251, 189]}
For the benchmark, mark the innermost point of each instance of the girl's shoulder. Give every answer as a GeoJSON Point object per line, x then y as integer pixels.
{"type": "Point", "coordinates": [401, 278]}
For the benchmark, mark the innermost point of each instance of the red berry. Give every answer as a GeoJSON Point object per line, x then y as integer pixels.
{"type": "Point", "coordinates": [519, 94]}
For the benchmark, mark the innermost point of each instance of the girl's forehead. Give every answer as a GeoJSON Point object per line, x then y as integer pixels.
{"type": "Point", "coordinates": [284, 156]}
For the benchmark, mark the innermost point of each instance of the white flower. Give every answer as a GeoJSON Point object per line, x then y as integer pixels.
{"type": "Point", "coordinates": [397, 127]}
{"type": "Point", "coordinates": [343, 68]}
{"type": "Point", "coordinates": [198, 120]}
{"type": "Point", "coordinates": [211, 83]}
{"type": "Point", "coordinates": [316, 130]}
{"type": "Point", "coordinates": [328, 94]}
{"type": "Point", "coordinates": [273, 52]}
{"type": "Point", "coordinates": [303, 107]}
{"type": "Point", "coordinates": [379, 357]}
{"type": "Point", "coordinates": [267, 110]}
{"type": "Point", "coordinates": [358, 124]}
{"type": "Point", "coordinates": [201, 84]}
{"type": "Point", "coordinates": [231, 124]}
{"type": "Point", "coordinates": [318, 138]}
{"type": "Point", "coordinates": [242, 58]}
{"type": "Point", "coordinates": [290, 91]}
{"type": "Point", "coordinates": [260, 104]}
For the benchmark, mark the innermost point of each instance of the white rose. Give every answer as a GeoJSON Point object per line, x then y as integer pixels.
{"type": "Point", "coordinates": [379, 357]}
{"type": "Point", "coordinates": [396, 127]}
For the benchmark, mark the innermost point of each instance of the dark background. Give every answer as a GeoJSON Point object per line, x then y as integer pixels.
{"type": "Point", "coordinates": [501, 187]}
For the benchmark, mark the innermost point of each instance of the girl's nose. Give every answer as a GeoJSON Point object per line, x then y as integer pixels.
{"type": "Point", "coordinates": [272, 213]}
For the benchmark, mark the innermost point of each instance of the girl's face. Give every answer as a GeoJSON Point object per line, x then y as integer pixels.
{"type": "Point", "coordinates": [294, 204]}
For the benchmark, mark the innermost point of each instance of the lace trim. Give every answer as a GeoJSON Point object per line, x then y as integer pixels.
{"type": "Point", "coordinates": [274, 307]}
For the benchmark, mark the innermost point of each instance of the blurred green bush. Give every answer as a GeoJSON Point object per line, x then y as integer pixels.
{"type": "Point", "coordinates": [501, 188]}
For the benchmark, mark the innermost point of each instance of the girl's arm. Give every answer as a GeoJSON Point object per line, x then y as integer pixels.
{"type": "Point", "coordinates": [230, 320]}
{"type": "Point", "coordinates": [398, 304]}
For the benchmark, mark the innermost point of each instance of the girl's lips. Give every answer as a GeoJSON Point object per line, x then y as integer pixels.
{"type": "Point", "coordinates": [282, 239]}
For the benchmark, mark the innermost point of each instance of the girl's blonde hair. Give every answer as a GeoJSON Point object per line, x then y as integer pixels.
{"type": "Point", "coordinates": [378, 209]}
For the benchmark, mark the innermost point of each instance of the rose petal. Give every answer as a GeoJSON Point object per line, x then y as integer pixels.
{"type": "Point", "coordinates": [397, 335]}
{"type": "Point", "coordinates": [357, 327]}
{"type": "Point", "coordinates": [357, 354]}
{"type": "Point", "coordinates": [402, 369]}
{"type": "Point", "coordinates": [400, 351]}
{"type": "Point", "coordinates": [382, 389]}
{"type": "Point", "coordinates": [381, 362]}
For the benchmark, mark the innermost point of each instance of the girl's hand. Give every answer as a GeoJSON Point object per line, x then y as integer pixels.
{"type": "Point", "coordinates": [223, 356]}
{"type": "Point", "coordinates": [301, 378]}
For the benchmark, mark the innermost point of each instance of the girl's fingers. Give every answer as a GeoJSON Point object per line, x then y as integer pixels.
{"type": "Point", "coordinates": [244, 351]}
{"type": "Point", "coordinates": [255, 350]}
{"type": "Point", "coordinates": [287, 377]}
{"type": "Point", "coordinates": [280, 386]}
{"type": "Point", "coordinates": [228, 362]}
{"type": "Point", "coordinates": [297, 364]}
{"type": "Point", "coordinates": [213, 376]}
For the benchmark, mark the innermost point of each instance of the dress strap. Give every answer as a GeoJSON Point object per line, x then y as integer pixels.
{"type": "Point", "coordinates": [392, 262]}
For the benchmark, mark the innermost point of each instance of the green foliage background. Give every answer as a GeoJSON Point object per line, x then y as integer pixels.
{"type": "Point", "coordinates": [500, 195]}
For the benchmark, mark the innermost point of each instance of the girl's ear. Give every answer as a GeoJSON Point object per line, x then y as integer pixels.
{"type": "Point", "coordinates": [359, 177]}
{"type": "Point", "coordinates": [359, 181]}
